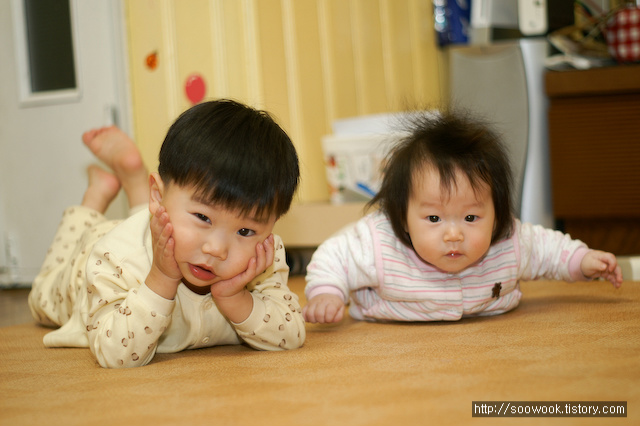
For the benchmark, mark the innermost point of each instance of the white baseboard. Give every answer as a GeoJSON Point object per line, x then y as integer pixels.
{"type": "Point", "coordinates": [630, 266]}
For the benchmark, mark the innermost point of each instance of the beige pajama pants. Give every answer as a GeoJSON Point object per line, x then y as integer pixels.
{"type": "Point", "coordinates": [55, 289]}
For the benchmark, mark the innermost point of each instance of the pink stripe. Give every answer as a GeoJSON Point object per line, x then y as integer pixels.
{"type": "Point", "coordinates": [444, 280]}
{"type": "Point", "coordinates": [489, 258]}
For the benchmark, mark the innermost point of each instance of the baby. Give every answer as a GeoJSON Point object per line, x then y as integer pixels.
{"type": "Point", "coordinates": [444, 243]}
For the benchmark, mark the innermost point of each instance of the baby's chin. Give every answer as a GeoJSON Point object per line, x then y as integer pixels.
{"type": "Point", "coordinates": [452, 267]}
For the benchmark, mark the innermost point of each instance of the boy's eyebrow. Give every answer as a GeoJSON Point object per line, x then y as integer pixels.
{"type": "Point", "coordinates": [261, 219]}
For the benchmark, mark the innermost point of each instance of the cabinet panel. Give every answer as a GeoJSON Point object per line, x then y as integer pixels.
{"type": "Point", "coordinates": [595, 156]}
{"type": "Point", "coordinates": [594, 136]}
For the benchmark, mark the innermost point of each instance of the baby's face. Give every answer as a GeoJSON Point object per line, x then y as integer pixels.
{"type": "Point", "coordinates": [449, 231]}
{"type": "Point", "coordinates": [211, 243]}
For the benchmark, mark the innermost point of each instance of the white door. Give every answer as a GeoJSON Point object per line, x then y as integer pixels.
{"type": "Point", "coordinates": [42, 160]}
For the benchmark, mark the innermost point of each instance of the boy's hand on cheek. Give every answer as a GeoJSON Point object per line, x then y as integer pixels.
{"type": "Point", "coordinates": [231, 296]}
{"type": "Point", "coordinates": [164, 275]}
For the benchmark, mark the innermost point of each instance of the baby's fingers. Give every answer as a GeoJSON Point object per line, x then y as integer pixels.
{"type": "Point", "coordinates": [614, 277]}
{"type": "Point", "coordinates": [323, 312]}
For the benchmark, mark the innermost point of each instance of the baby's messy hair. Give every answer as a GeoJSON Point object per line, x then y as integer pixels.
{"type": "Point", "coordinates": [234, 155]}
{"type": "Point", "coordinates": [449, 141]}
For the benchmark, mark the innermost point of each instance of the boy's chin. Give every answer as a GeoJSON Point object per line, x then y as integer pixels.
{"type": "Point", "coordinates": [198, 289]}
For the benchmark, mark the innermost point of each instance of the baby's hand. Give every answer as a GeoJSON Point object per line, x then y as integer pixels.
{"type": "Point", "coordinates": [264, 258]}
{"type": "Point", "coordinates": [600, 264]}
{"type": "Point", "coordinates": [324, 308]}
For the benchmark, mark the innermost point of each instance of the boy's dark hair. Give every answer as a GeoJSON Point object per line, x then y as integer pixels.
{"type": "Point", "coordinates": [448, 142]}
{"type": "Point", "coordinates": [234, 155]}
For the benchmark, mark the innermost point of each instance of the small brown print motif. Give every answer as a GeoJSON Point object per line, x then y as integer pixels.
{"type": "Point", "coordinates": [495, 291]}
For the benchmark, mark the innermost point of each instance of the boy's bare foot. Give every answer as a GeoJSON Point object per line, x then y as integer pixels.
{"type": "Point", "coordinates": [103, 188]}
{"type": "Point", "coordinates": [119, 152]}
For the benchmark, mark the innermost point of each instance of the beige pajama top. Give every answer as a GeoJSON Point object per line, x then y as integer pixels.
{"type": "Point", "coordinates": [92, 285]}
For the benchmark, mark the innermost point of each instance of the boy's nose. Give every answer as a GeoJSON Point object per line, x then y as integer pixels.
{"type": "Point", "coordinates": [215, 248]}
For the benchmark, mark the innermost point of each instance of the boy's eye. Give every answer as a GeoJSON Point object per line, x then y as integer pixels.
{"type": "Point", "coordinates": [244, 232]}
{"type": "Point", "coordinates": [470, 218]}
{"type": "Point", "coordinates": [202, 217]}
{"type": "Point", "coordinates": [433, 219]}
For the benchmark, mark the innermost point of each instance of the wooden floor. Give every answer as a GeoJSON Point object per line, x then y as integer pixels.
{"type": "Point", "coordinates": [565, 342]}
{"type": "Point", "coordinates": [13, 307]}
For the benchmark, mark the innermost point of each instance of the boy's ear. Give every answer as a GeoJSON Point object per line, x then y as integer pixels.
{"type": "Point", "coordinates": [156, 192]}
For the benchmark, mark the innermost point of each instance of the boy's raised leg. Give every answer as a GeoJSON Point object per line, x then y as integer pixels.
{"type": "Point", "coordinates": [112, 146]}
{"type": "Point", "coordinates": [102, 189]}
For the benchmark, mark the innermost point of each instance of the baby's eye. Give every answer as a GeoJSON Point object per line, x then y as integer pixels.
{"type": "Point", "coordinates": [433, 219]}
{"type": "Point", "coordinates": [244, 232]}
{"type": "Point", "coordinates": [202, 217]}
{"type": "Point", "coordinates": [471, 218]}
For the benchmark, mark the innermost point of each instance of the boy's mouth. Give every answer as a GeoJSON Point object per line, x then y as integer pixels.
{"type": "Point", "coordinates": [201, 272]}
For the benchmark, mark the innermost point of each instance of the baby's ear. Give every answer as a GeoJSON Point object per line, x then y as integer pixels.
{"type": "Point", "coordinates": [156, 191]}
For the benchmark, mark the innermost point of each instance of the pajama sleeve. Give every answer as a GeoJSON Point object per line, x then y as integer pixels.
{"type": "Point", "coordinates": [275, 322]}
{"type": "Point", "coordinates": [343, 263]}
{"type": "Point", "coordinates": [125, 318]}
{"type": "Point", "coordinates": [545, 253]}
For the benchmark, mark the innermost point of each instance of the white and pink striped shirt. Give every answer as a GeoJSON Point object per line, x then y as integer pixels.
{"type": "Point", "coordinates": [385, 280]}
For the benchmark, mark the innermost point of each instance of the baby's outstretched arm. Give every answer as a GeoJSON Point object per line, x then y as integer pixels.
{"type": "Point", "coordinates": [600, 264]}
{"type": "Point", "coordinates": [324, 308]}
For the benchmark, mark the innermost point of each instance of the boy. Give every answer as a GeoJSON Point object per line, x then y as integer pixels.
{"type": "Point", "coordinates": [200, 267]}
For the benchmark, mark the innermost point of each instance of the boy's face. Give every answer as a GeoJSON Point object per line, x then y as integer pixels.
{"type": "Point", "coordinates": [212, 244]}
{"type": "Point", "coordinates": [451, 232]}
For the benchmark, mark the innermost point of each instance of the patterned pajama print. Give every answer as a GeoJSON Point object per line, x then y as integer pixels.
{"type": "Point", "coordinates": [92, 285]}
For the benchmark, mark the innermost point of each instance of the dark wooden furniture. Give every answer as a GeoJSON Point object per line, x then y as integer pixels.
{"type": "Point", "coordinates": [594, 137]}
